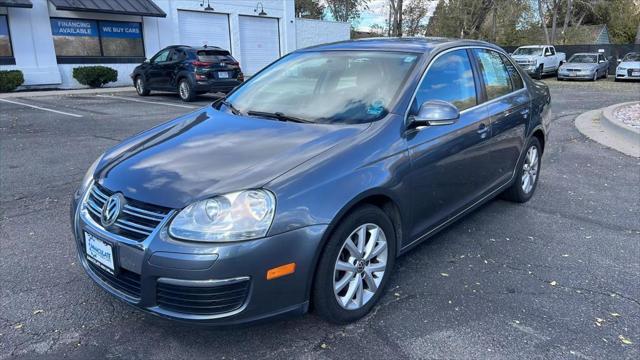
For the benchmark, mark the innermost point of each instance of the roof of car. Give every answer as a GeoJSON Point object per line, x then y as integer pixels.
{"type": "Point", "coordinates": [412, 44]}
{"type": "Point", "coordinates": [195, 47]}
{"type": "Point", "coordinates": [588, 53]}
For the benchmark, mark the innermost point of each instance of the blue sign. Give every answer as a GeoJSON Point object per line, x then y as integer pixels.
{"type": "Point", "coordinates": [4, 29]}
{"type": "Point", "coordinates": [73, 27]}
{"type": "Point", "coordinates": [122, 30]}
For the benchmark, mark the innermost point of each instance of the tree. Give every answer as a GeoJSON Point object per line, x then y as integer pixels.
{"type": "Point", "coordinates": [395, 7]}
{"type": "Point", "coordinates": [413, 17]}
{"type": "Point", "coordinates": [347, 10]}
{"type": "Point", "coordinates": [309, 9]}
{"type": "Point", "coordinates": [459, 18]}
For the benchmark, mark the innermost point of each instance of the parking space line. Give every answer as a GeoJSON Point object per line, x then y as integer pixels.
{"type": "Point", "coordinates": [41, 108]}
{"type": "Point", "coordinates": [148, 102]}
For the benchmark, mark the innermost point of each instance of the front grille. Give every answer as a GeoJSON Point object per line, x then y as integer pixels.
{"type": "Point", "coordinates": [573, 70]}
{"type": "Point", "coordinates": [210, 300]}
{"type": "Point", "coordinates": [630, 71]}
{"type": "Point", "coordinates": [126, 281]}
{"type": "Point", "coordinates": [136, 221]}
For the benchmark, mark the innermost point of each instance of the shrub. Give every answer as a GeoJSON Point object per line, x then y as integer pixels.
{"type": "Point", "coordinates": [95, 76]}
{"type": "Point", "coordinates": [10, 80]}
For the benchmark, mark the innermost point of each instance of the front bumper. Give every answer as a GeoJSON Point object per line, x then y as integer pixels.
{"type": "Point", "coordinates": [530, 69]}
{"type": "Point", "coordinates": [148, 269]}
{"type": "Point", "coordinates": [576, 75]}
{"type": "Point", "coordinates": [626, 75]}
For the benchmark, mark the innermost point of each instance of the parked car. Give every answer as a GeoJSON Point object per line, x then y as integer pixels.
{"type": "Point", "coordinates": [539, 60]}
{"type": "Point", "coordinates": [306, 182]}
{"type": "Point", "coordinates": [585, 66]}
{"type": "Point", "coordinates": [189, 71]}
{"type": "Point", "coordinates": [629, 67]}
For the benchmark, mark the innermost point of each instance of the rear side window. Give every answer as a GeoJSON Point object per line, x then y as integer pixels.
{"type": "Point", "coordinates": [497, 80]}
{"type": "Point", "coordinates": [449, 78]}
{"type": "Point", "coordinates": [214, 56]}
{"type": "Point", "coordinates": [516, 80]}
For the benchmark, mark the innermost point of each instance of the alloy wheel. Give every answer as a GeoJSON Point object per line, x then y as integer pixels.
{"type": "Point", "coordinates": [360, 266]}
{"type": "Point", "coordinates": [530, 169]}
{"type": "Point", "coordinates": [184, 90]}
{"type": "Point", "coordinates": [139, 85]}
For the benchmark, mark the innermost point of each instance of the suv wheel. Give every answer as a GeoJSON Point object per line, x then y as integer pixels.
{"type": "Point", "coordinates": [527, 174]}
{"type": "Point", "coordinates": [141, 86]}
{"type": "Point", "coordinates": [185, 91]}
{"type": "Point", "coordinates": [355, 266]}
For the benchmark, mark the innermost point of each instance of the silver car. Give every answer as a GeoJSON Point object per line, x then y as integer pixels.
{"type": "Point", "coordinates": [584, 66]}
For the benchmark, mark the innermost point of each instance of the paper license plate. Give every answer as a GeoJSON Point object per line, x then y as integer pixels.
{"type": "Point", "coordinates": [99, 252]}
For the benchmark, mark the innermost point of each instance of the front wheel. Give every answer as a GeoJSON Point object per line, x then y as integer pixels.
{"type": "Point", "coordinates": [595, 76]}
{"type": "Point", "coordinates": [355, 266]}
{"type": "Point", "coordinates": [185, 91]}
{"type": "Point", "coordinates": [527, 173]}
{"type": "Point", "coordinates": [141, 86]}
{"type": "Point", "coordinates": [539, 72]}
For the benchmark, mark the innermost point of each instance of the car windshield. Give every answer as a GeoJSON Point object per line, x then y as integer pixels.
{"type": "Point", "coordinates": [326, 87]}
{"type": "Point", "coordinates": [528, 51]}
{"type": "Point", "coordinates": [584, 59]}
{"type": "Point", "coordinates": [632, 57]}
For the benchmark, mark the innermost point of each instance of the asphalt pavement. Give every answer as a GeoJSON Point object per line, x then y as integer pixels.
{"type": "Point", "coordinates": [556, 278]}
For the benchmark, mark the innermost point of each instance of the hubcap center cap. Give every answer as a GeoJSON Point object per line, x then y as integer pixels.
{"type": "Point", "coordinates": [360, 266]}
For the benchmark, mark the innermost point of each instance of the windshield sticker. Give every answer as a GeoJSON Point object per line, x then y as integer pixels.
{"type": "Point", "coordinates": [376, 108]}
{"type": "Point", "coordinates": [410, 59]}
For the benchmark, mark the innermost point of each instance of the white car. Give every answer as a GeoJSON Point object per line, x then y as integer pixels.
{"type": "Point", "coordinates": [539, 60]}
{"type": "Point", "coordinates": [629, 67]}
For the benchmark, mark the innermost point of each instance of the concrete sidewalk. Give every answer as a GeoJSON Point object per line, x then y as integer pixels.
{"type": "Point", "coordinates": [37, 93]}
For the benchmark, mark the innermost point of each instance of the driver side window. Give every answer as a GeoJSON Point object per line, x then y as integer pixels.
{"type": "Point", "coordinates": [449, 78]}
{"type": "Point", "coordinates": [161, 56]}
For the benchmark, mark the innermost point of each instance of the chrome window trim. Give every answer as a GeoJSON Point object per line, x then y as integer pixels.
{"type": "Point", "coordinates": [424, 74]}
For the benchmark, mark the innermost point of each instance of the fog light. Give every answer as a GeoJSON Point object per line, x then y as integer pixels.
{"type": "Point", "coordinates": [281, 271]}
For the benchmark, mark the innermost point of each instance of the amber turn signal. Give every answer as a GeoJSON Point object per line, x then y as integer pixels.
{"type": "Point", "coordinates": [281, 271]}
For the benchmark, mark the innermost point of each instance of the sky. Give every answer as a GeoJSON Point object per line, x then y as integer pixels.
{"type": "Point", "coordinates": [377, 14]}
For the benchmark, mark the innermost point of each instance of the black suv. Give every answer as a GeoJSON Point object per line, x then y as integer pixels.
{"type": "Point", "coordinates": [188, 71]}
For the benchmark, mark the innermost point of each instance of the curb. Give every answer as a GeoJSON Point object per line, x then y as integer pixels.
{"type": "Point", "coordinates": [611, 124]}
{"type": "Point", "coordinates": [590, 124]}
{"type": "Point", "coordinates": [27, 94]}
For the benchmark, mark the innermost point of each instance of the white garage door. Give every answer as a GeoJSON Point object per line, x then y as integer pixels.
{"type": "Point", "coordinates": [201, 28]}
{"type": "Point", "coordinates": [259, 43]}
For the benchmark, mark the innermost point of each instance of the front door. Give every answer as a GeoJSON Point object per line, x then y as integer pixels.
{"type": "Point", "coordinates": [156, 78]}
{"type": "Point", "coordinates": [449, 162]}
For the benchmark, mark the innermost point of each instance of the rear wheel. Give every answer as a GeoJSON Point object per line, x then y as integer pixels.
{"type": "Point", "coordinates": [185, 91]}
{"type": "Point", "coordinates": [539, 71]}
{"type": "Point", "coordinates": [526, 179]}
{"type": "Point", "coordinates": [355, 266]}
{"type": "Point", "coordinates": [141, 86]}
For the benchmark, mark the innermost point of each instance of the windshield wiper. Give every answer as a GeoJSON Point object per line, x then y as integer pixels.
{"type": "Point", "coordinates": [277, 115]}
{"type": "Point", "coordinates": [230, 106]}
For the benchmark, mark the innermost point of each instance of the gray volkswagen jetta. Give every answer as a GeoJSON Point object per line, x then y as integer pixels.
{"type": "Point", "coordinates": [301, 187]}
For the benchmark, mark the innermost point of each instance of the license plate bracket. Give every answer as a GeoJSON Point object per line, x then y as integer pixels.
{"type": "Point", "coordinates": [223, 74]}
{"type": "Point", "coordinates": [100, 253]}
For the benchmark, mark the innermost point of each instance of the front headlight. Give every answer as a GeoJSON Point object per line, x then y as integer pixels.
{"type": "Point", "coordinates": [237, 216]}
{"type": "Point", "coordinates": [88, 176]}
{"type": "Point", "coordinates": [621, 68]}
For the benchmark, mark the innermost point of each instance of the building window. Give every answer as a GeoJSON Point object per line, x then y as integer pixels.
{"type": "Point", "coordinates": [5, 38]}
{"type": "Point", "coordinates": [80, 38]}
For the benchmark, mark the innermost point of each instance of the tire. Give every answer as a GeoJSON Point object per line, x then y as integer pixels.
{"type": "Point", "coordinates": [518, 192]}
{"type": "Point", "coordinates": [185, 91]}
{"type": "Point", "coordinates": [595, 76]}
{"type": "Point", "coordinates": [354, 299]}
{"type": "Point", "coordinates": [539, 71]}
{"type": "Point", "coordinates": [141, 86]}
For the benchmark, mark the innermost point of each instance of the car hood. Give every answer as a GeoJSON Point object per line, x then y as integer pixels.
{"type": "Point", "coordinates": [630, 64]}
{"type": "Point", "coordinates": [581, 66]}
{"type": "Point", "coordinates": [210, 152]}
{"type": "Point", "coordinates": [524, 57]}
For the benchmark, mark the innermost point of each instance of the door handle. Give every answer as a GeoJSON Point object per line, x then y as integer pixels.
{"type": "Point", "coordinates": [525, 112]}
{"type": "Point", "coordinates": [482, 129]}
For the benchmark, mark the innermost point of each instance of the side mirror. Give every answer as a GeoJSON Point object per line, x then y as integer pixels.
{"type": "Point", "coordinates": [435, 113]}
{"type": "Point", "coordinates": [619, 61]}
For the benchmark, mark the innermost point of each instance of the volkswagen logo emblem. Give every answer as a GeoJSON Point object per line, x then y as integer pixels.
{"type": "Point", "coordinates": [111, 209]}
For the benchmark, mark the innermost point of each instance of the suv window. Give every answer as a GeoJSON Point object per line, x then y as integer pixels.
{"type": "Point", "coordinates": [161, 56]}
{"type": "Point", "coordinates": [497, 80]}
{"type": "Point", "coordinates": [214, 56]}
{"type": "Point", "coordinates": [551, 51]}
{"type": "Point", "coordinates": [516, 79]}
{"type": "Point", "coordinates": [449, 78]}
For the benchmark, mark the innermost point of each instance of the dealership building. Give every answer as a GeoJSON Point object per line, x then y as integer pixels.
{"type": "Point", "coordinates": [46, 39]}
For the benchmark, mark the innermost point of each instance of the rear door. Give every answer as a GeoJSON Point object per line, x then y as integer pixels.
{"type": "Point", "coordinates": [508, 107]}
